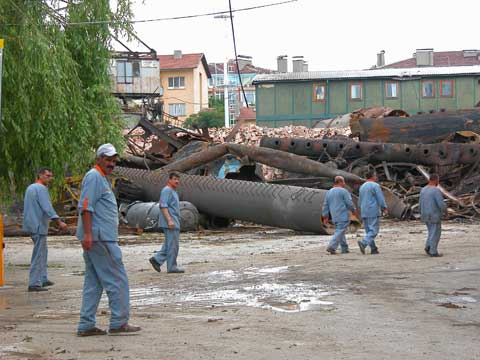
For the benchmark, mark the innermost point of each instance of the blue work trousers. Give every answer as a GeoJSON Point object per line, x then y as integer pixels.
{"type": "Point", "coordinates": [372, 225]}
{"type": "Point", "coordinates": [339, 236]}
{"type": "Point", "coordinates": [433, 238]}
{"type": "Point", "coordinates": [38, 264]}
{"type": "Point", "coordinates": [169, 250]}
{"type": "Point", "coordinates": [104, 269]}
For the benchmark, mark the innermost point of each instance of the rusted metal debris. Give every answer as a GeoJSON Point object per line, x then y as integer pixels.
{"type": "Point", "coordinates": [403, 172]}
{"type": "Point", "coordinates": [418, 129]}
{"type": "Point", "coordinates": [281, 206]}
{"type": "Point", "coordinates": [374, 152]}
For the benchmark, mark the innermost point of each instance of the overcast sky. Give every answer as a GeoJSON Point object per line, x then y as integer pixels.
{"type": "Point", "coordinates": [331, 35]}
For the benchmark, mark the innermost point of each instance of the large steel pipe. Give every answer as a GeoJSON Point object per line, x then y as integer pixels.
{"type": "Point", "coordinates": [419, 129]}
{"type": "Point", "coordinates": [428, 154]}
{"type": "Point", "coordinates": [281, 206]}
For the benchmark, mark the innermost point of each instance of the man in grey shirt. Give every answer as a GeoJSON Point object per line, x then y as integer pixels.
{"type": "Point", "coordinates": [169, 221]}
{"type": "Point", "coordinates": [431, 209]}
{"type": "Point", "coordinates": [338, 204]}
{"type": "Point", "coordinates": [37, 213]}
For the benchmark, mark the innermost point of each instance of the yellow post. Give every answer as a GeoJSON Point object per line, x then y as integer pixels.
{"type": "Point", "coordinates": [2, 279]}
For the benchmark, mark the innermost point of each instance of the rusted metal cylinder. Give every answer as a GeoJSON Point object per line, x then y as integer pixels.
{"type": "Point", "coordinates": [425, 154]}
{"type": "Point", "coordinates": [418, 129]}
{"type": "Point", "coordinates": [281, 206]}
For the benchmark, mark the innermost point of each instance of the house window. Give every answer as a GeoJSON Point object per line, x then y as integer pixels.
{"type": "Point", "coordinates": [446, 88]}
{"type": "Point", "coordinates": [428, 88]}
{"type": "Point", "coordinates": [220, 81]}
{"type": "Point", "coordinates": [319, 92]}
{"type": "Point", "coordinates": [391, 89]}
{"type": "Point", "coordinates": [124, 72]}
{"type": "Point", "coordinates": [356, 91]}
{"type": "Point", "coordinates": [177, 109]}
{"type": "Point", "coordinates": [136, 69]}
{"type": "Point", "coordinates": [176, 82]}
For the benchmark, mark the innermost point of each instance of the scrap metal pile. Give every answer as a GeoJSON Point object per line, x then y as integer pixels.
{"type": "Point", "coordinates": [404, 151]}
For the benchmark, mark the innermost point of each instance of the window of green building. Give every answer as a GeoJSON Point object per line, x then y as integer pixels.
{"type": "Point", "coordinates": [319, 92]}
{"type": "Point", "coordinates": [446, 88]}
{"type": "Point", "coordinates": [356, 91]}
{"type": "Point", "coordinates": [428, 88]}
{"type": "Point", "coordinates": [391, 89]}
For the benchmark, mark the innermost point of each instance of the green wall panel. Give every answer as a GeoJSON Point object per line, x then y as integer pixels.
{"type": "Point", "coordinates": [302, 98]}
{"type": "Point", "coordinates": [338, 96]}
{"type": "Point", "coordinates": [284, 99]}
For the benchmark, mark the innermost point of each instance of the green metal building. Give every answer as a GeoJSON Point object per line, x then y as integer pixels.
{"type": "Point", "coordinates": [303, 98]}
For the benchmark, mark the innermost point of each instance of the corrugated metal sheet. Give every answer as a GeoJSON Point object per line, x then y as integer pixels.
{"type": "Point", "coordinates": [363, 74]}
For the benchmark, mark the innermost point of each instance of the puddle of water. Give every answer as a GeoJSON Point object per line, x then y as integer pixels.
{"type": "Point", "coordinates": [271, 296]}
{"type": "Point", "coordinates": [457, 300]}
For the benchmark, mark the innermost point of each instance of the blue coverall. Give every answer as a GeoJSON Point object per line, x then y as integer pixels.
{"type": "Point", "coordinates": [104, 267]}
{"type": "Point", "coordinates": [371, 202]}
{"type": "Point", "coordinates": [169, 200]}
{"type": "Point", "coordinates": [37, 212]}
{"type": "Point", "coordinates": [431, 210]}
{"type": "Point", "coordinates": [338, 203]}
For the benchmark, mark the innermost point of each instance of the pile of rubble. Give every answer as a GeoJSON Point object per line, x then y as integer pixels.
{"type": "Point", "coordinates": [252, 134]}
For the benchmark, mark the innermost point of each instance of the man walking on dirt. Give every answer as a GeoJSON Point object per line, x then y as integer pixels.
{"type": "Point", "coordinates": [338, 203]}
{"type": "Point", "coordinates": [169, 221]}
{"type": "Point", "coordinates": [98, 231]}
{"type": "Point", "coordinates": [37, 213]}
{"type": "Point", "coordinates": [371, 202]}
{"type": "Point", "coordinates": [431, 210]}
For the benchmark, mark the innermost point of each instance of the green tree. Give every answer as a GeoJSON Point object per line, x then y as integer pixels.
{"type": "Point", "coordinates": [56, 101]}
{"type": "Point", "coordinates": [209, 118]}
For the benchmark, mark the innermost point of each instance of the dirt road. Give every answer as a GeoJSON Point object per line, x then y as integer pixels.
{"type": "Point", "coordinates": [257, 293]}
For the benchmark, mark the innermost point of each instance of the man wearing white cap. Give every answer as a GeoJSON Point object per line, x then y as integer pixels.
{"type": "Point", "coordinates": [98, 231]}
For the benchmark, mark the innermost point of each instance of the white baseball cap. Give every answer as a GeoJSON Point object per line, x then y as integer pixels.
{"type": "Point", "coordinates": [106, 150]}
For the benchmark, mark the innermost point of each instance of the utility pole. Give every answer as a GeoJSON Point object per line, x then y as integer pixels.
{"type": "Point", "coordinates": [2, 277]}
{"type": "Point", "coordinates": [226, 107]}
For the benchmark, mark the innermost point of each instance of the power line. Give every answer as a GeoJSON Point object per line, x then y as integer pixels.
{"type": "Point", "coordinates": [181, 17]}
{"type": "Point", "coordinates": [235, 51]}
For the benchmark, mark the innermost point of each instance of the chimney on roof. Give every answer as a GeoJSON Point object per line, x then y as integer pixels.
{"type": "Point", "coordinates": [471, 53]}
{"type": "Point", "coordinates": [177, 54]}
{"type": "Point", "coordinates": [381, 59]}
{"type": "Point", "coordinates": [297, 62]}
{"type": "Point", "coordinates": [424, 57]}
{"type": "Point", "coordinates": [244, 60]}
{"type": "Point", "coordinates": [282, 63]}
{"type": "Point", "coordinates": [305, 66]}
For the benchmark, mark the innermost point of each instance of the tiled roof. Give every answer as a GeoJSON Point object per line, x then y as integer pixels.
{"type": "Point", "coordinates": [440, 58]}
{"type": "Point", "coordinates": [362, 74]}
{"type": "Point", "coordinates": [187, 61]}
{"type": "Point", "coordinates": [217, 68]}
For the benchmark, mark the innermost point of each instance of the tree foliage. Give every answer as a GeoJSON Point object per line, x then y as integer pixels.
{"type": "Point", "coordinates": [210, 118]}
{"type": "Point", "coordinates": [56, 101]}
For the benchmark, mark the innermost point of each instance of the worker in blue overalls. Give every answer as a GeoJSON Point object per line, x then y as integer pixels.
{"type": "Point", "coordinates": [37, 212]}
{"type": "Point", "coordinates": [98, 231]}
{"type": "Point", "coordinates": [169, 221]}
{"type": "Point", "coordinates": [372, 203]}
{"type": "Point", "coordinates": [431, 210]}
{"type": "Point", "coordinates": [338, 204]}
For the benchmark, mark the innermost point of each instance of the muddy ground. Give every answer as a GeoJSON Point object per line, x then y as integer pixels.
{"type": "Point", "coordinates": [260, 293]}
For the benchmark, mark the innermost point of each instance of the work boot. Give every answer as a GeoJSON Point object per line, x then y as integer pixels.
{"type": "Point", "coordinates": [125, 328]}
{"type": "Point", "coordinates": [36, 288]}
{"type": "Point", "coordinates": [176, 271]}
{"type": "Point", "coordinates": [374, 251]}
{"type": "Point", "coordinates": [345, 251]}
{"type": "Point", "coordinates": [436, 255]}
{"type": "Point", "coordinates": [155, 264]}
{"type": "Point", "coordinates": [47, 283]}
{"type": "Point", "coordinates": [362, 247]}
{"type": "Point", "coordinates": [427, 250]}
{"type": "Point", "coordinates": [331, 251]}
{"type": "Point", "coordinates": [91, 332]}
